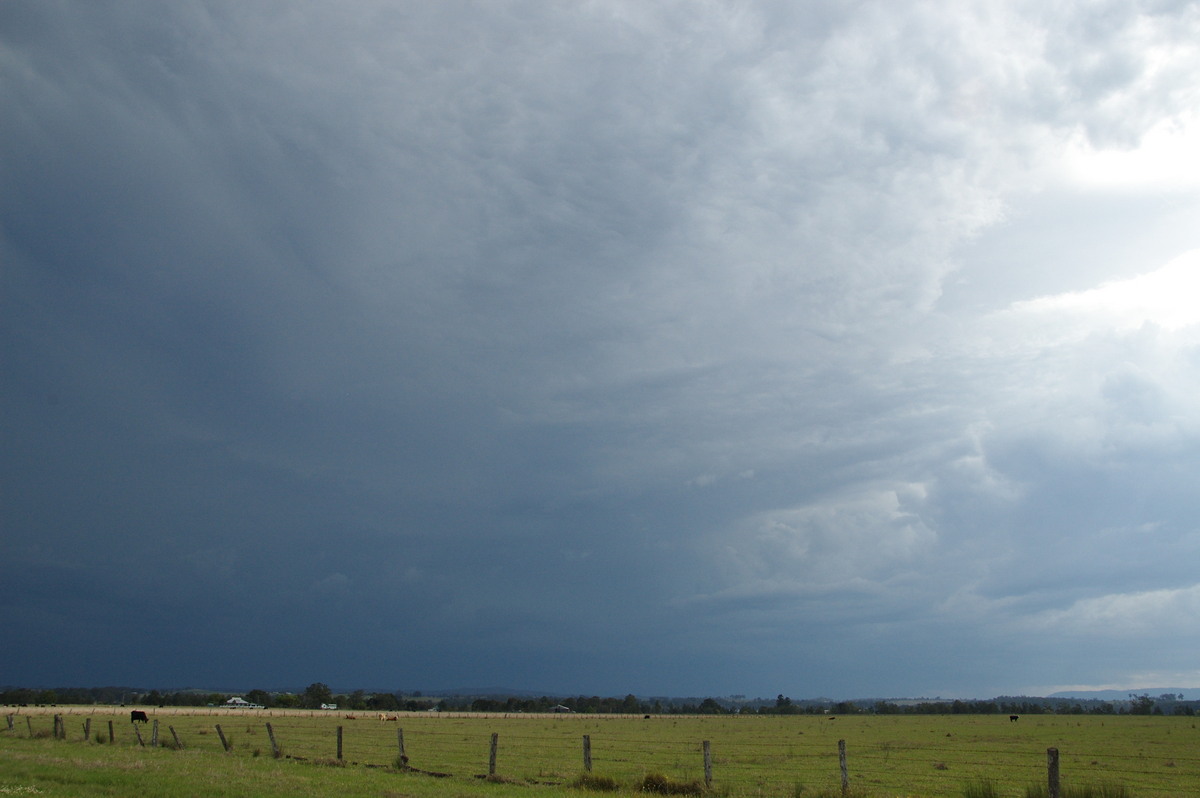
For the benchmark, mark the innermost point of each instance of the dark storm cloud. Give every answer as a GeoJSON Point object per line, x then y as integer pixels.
{"type": "Point", "coordinates": [595, 347]}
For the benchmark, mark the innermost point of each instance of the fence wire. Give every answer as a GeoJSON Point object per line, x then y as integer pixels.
{"type": "Point", "coordinates": [542, 751]}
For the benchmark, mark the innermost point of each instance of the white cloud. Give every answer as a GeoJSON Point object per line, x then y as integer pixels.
{"type": "Point", "coordinates": [1145, 614]}
{"type": "Point", "coordinates": [1165, 297]}
{"type": "Point", "coordinates": [1166, 158]}
{"type": "Point", "coordinates": [847, 542]}
{"type": "Point", "coordinates": [1093, 373]}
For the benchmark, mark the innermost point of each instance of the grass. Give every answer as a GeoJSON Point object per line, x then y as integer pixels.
{"type": "Point", "coordinates": [1083, 791]}
{"type": "Point", "coordinates": [975, 756]}
{"type": "Point", "coordinates": [981, 788]}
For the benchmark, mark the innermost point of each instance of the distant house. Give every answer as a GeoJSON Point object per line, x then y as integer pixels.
{"type": "Point", "coordinates": [237, 702]}
{"type": "Point", "coordinates": [329, 706]}
{"type": "Point", "coordinates": [560, 709]}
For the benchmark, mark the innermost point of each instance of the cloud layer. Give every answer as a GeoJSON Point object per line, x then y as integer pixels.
{"type": "Point", "coordinates": [697, 348]}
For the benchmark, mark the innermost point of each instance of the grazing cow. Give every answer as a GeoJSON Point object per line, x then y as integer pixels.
{"type": "Point", "coordinates": [382, 716]}
{"type": "Point", "coordinates": [137, 715]}
{"type": "Point", "coordinates": [1013, 718]}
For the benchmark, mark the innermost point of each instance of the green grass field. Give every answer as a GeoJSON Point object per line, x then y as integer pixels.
{"type": "Point", "coordinates": [1153, 757]}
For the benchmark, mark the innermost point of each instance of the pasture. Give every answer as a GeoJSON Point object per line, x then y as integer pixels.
{"type": "Point", "coordinates": [886, 755]}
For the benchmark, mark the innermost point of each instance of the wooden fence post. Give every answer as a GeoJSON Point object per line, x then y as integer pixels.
{"type": "Point", "coordinates": [492, 754]}
{"type": "Point", "coordinates": [844, 767]}
{"type": "Point", "coordinates": [587, 752]}
{"type": "Point", "coordinates": [58, 727]}
{"type": "Point", "coordinates": [1052, 782]}
{"type": "Point", "coordinates": [403, 757]}
{"type": "Point", "coordinates": [707, 764]}
{"type": "Point", "coordinates": [224, 742]}
{"type": "Point", "coordinates": [178, 742]}
{"type": "Point", "coordinates": [29, 725]}
{"type": "Point", "coordinates": [154, 734]}
{"type": "Point", "coordinates": [339, 744]}
{"type": "Point", "coordinates": [112, 737]}
{"type": "Point", "coordinates": [9, 718]}
{"type": "Point", "coordinates": [275, 745]}
{"type": "Point", "coordinates": [87, 730]}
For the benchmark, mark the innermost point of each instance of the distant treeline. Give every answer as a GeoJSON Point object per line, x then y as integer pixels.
{"type": "Point", "coordinates": [318, 694]}
{"type": "Point", "coordinates": [310, 698]}
{"type": "Point", "coordinates": [1136, 705]}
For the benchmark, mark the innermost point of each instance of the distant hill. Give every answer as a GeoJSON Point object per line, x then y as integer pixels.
{"type": "Point", "coordinates": [1189, 693]}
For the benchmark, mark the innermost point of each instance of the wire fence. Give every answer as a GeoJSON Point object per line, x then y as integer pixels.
{"type": "Point", "coordinates": [768, 758]}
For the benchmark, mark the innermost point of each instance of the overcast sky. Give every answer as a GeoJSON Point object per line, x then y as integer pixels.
{"type": "Point", "coordinates": [680, 348]}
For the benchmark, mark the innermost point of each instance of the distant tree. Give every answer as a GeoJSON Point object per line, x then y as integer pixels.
{"type": "Point", "coordinates": [259, 697]}
{"type": "Point", "coordinates": [1140, 705]}
{"type": "Point", "coordinates": [709, 706]}
{"type": "Point", "coordinates": [287, 700]}
{"type": "Point", "coordinates": [383, 702]}
{"type": "Point", "coordinates": [784, 705]}
{"type": "Point", "coordinates": [315, 695]}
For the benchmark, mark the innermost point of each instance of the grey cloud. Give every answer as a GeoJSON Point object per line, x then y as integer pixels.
{"type": "Point", "coordinates": [470, 326]}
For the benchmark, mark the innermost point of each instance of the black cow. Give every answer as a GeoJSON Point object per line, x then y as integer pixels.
{"type": "Point", "coordinates": [138, 715]}
{"type": "Point", "coordinates": [1013, 718]}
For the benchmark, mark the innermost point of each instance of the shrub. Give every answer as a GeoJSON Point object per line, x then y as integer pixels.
{"type": "Point", "coordinates": [661, 785]}
{"type": "Point", "coordinates": [588, 781]}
